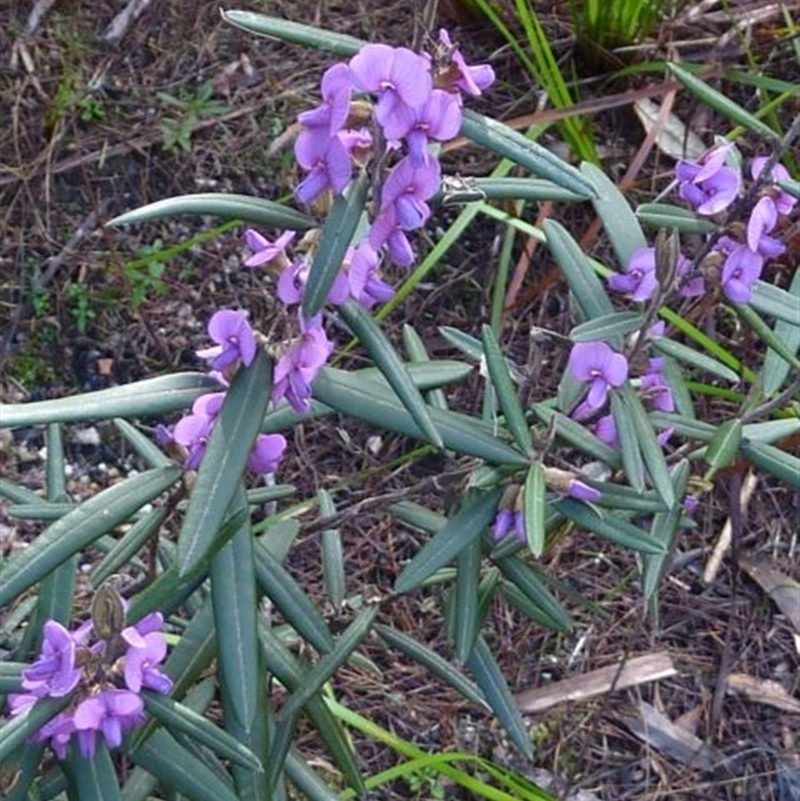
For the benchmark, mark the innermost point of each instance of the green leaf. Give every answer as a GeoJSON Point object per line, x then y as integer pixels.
{"type": "Point", "coordinates": [11, 676]}
{"type": "Point", "coordinates": [92, 779]}
{"type": "Point", "coordinates": [505, 141]}
{"type": "Point", "coordinates": [782, 465]}
{"type": "Point", "coordinates": [506, 391]}
{"type": "Point", "coordinates": [751, 317]}
{"type": "Point", "coordinates": [477, 512]}
{"type": "Point", "coordinates": [534, 508]}
{"type": "Point", "coordinates": [662, 215]}
{"type": "Point", "coordinates": [771, 299]}
{"type": "Point", "coordinates": [333, 570]}
{"type": "Point", "coordinates": [329, 663]}
{"type": "Point", "coordinates": [683, 353]}
{"type": "Point", "coordinates": [493, 684]}
{"type": "Point", "coordinates": [255, 210]}
{"type": "Point", "coordinates": [178, 768]}
{"type": "Point", "coordinates": [152, 397]}
{"type": "Point", "coordinates": [224, 461]}
{"type": "Point", "coordinates": [390, 364]}
{"type": "Point", "coordinates": [575, 434]}
{"type": "Point", "coordinates": [587, 288]}
{"type": "Point", "coordinates": [287, 31]}
{"type": "Point", "coordinates": [534, 189]}
{"type": "Point", "coordinates": [611, 527]}
{"type": "Point", "coordinates": [607, 328]}
{"type": "Point", "coordinates": [618, 219]}
{"type": "Point", "coordinates": [470, 346]}
{"type": "Point", "coordinates": [307, 780]}
{"type": "Point", "coordinates": [291, 600]}
{"type": "Point", "coordinates": [371, 402]}
{"type": "Point", "coordinates": [183, 719]}
{"type": "Point", "coordinates": [776, 368]}
{"type": "Point", "coordinates": [438, 665]}
{"type": "Point", "coordinates": [720, 102]}
{"type": "Point", "coordinates": [465, 609]}
{"type": "Point", "coordinates": [632, 460]}
{"type": "Point", "coordinates": [723, 446]}
{"type": "Point", "coordinates": [336, 237]}
{"type": "Point", "coordinates": [81, 527]}
{"type": "Point", "coordinates": [142, 444]}
{"type": "Point", "coordinates": [528, 581]}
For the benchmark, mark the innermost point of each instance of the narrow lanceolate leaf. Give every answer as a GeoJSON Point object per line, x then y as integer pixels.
{"type": "Point", "coordinates": [287, 31]}
{"type": "Point", "coordinates": [16, 730]}
{"type": "Point", "coordinates": [417, 354]}
{"type": "Point", "coordinates": [632, 461]}
{"type": "Point", "coordinates": [687, 355]}
{"type": "Point", "coordinates": [607, 328]}
{"type": "Point", "coordinates": [618, 219]}
{"type": "Point", "coordinates": [754, 321]}
{"type": "Point", "coordinates": [392, 367]}
{"type": "Point", "coordinates": [723, 447]}
{"type": "Point", "coordinates": [505, 390]}
{"type": "Point", "coordinates": [772, 300]}
{"type": "Point", "coordinates": [92, 779]}
{"type": "Point", "coordinates": [720, 102]}
{"type": "Point", "coordinates": [534, 508]}
{"type": "Point", "coordinates": [333, 571]}
{"type": "Point", "coordinates": [662, 215]}
{"type": "Point", "coordinates": [81, 527]}
{"type": "Point", "coordinates": [142, 444]}
{"type": "Point", "coordinates": [235, 604]}
{"type": "Point", "coordinates": [776, 368]}
{"type": "Point", "coordinates": [178, 717]}
{"type": "Point", "coordinates": [329, 663]}
{"type": "Point", "coordinates": [152, 397]}
{"type": "Point", "coordinates": [224, 461]}
{"type": "Point", "coordinates": [494, 687]}
{"type": "Point", "coordinates": [506, 142]}
{"type": "Point", "coordinates": [428, 658]}
{"type": "Point", "coordinates": [307, 780]}
{"type": "Point", "coordinates": [523, 189]}
{"type": "Point", "coordinates": [575, 434]}
{"type": "Point", "coordinates": [255, 210]}
{"type": "Point", "coordinates": [291, 600]}
{"type": "Point", "coordinates": [465, 610]}
{"type": "Point", "coordinates": [652, 452]}
{"type": "Point", "coordinates": [373, 403]}
{"type": "Point", "coordinates": [475, 515]}
{"type": "Point", "coordinates": [665, 528]}
{"type": "Point", "coordinates": [336, 237]}
{"type": "Point", "coordinates": [587, 288]}
{"type": "Point", "coordinates": [180, 770]}
{"type": "Point", "coordinates": [782, 465]}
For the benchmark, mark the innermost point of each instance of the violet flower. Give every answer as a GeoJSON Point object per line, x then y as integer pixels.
{"type": "Point", "coordinates": [264, 250]}
{"type": "Point", "coordinates": [364, 282]}
{"type": "Point", "coordinates": [472, 80]}
{"type": "Point", "coordinates": [784, 202]}
{"type": "Point", "coordinates": [600, 366]}
{"type": "Point", "coordinates": [605, 429]}
{"type": "Point", "coordinates": [741, 270]}
{"type": "Point", "coordinates": [266, 454]}
{"type": "Point", "coordinates": [763, 219]}
{"type": "Point", "coordinates": [397, 76]}
{"type": "Point", "coordinates": [327, 160]}
{"type": "Point", "coordinates": [655, 387]}
{"type": "Point", "coordinates": [639, 279]}
{"type": "Point", "coordinates": [146, 649]}
{"type": "Point", "coordinates": [407, 187]}
{"type": "Point", "coordinates": [234, 337]}
{"type": "Point", "coordinates": [583, 492]}
{"type": "Point", "coordinates": [337, 90]}
{"type": "Point", "coordinates": [54, 673]}
{"type": "Point", "coordinates": [387, 231]}
{"type": "Point", "coordinates": [708, 185]}
{"type": "Point", "coordinates": [110, 713]}
{"type": "Point", "coordinates": [193, 430]}
{"type": "Point", "coordinates": [292, 285]}
{"type": "Point", "coordinates": [298, 367]}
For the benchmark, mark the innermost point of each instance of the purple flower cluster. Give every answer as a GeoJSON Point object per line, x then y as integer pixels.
{"type": "Point", "coordinates": [235, 344]}
{"type": "Point", "coordinates": [710, 187]}
{"type": "Point", "coordinates": [103, 676]}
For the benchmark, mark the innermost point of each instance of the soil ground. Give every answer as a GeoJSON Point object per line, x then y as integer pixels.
{"type": "Point", "coordinates": [87, 133]}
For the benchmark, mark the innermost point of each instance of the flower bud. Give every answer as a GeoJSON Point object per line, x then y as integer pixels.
{"type": "Point", "coordinates": [108, 613]}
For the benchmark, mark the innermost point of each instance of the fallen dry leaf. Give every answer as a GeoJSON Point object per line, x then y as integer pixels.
{"type": "Point", "coordinates": [763, 691]}
{"type": "Point", "coordinates": [674, 138]}
{"type": "Point", "coordinates": [783, 589]}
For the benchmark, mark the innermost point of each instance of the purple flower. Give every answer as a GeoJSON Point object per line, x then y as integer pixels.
{"type": "Point", "coordinates": [689, 287]}
{"type": "Point", "coordinates": [147, 648]}
{"type": "Point", "coordinates": [784, 202]}
{"type": "Point", "coordinates": [741, 270]}
{"type": "Point", "coordinates": [234, 337]}
{"type": "Point", "coordinates": [266, 454]}
{"type": "Point", "coordinates": [639, 280]}
{"type": "Point", "coordinates": [469, 79]}
{"type": "Point", "coordinates": [597, 364]}
{"type": "Point", "coordinates": [503, 523]}
{"type": "Point", "coordinates": [336, 92]}
{"type": "Point", "coordinates": [583, 492]}
{"type": "Point", "coordinates": [365, 284]}
{"type": "Point", "coordinates": [395, 74]}
{"type": "Point", "coordinates": [292, 285]}
{"type": "Point", "coordinates": [708, 186]}
{"type": "Point", "coordinates": [193, 430]}
{"type": "Point", "coordinates": [386, 230]}
{"type": "Point", "coordinates": [439, 118]}
{"type": "Point", "coordinates": [109, 712]}
{"type": "Point", "coordinates": [54, 673]}
{"type": "Point", "coordinates": [605, 429]}
{"type": "Point", "coordinates": [265, 251]}
{"type": "Point", "coordinates": [763, 220]}
{"type": "Point", "coordinates": [407, 187]}
{"type": "Point", "coordinates": [328, 161]}
{"type": "Point", "coordinates": [655, 387]}
{"type": "Point", "coordinates": [298, 367]}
